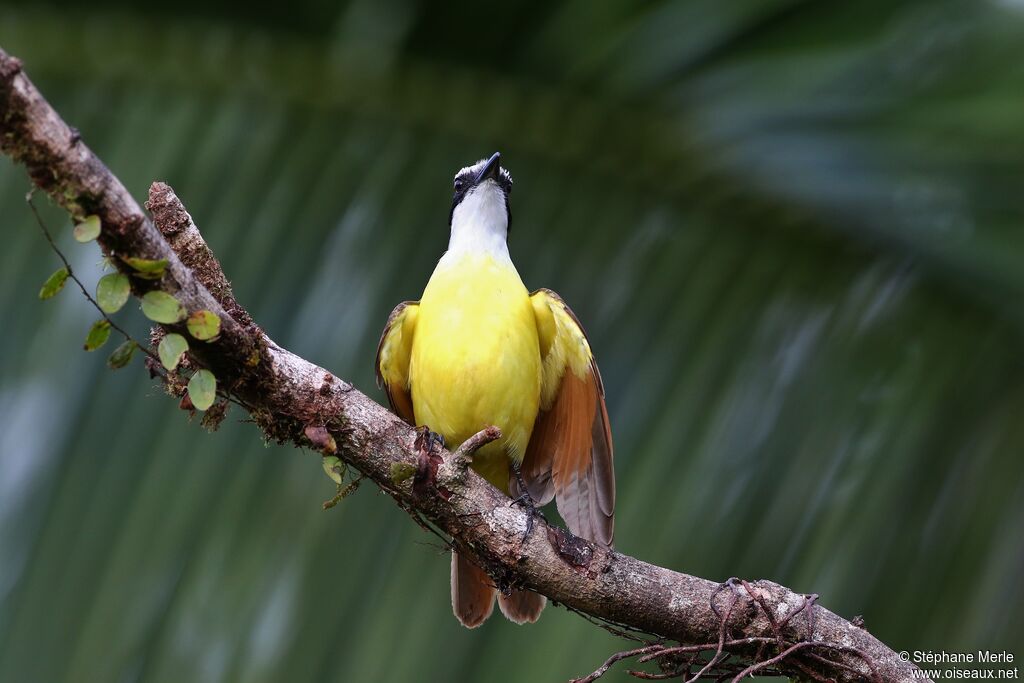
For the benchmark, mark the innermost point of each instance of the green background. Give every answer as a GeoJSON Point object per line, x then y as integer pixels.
{"type": "Point", "coordinates": [793, 230]}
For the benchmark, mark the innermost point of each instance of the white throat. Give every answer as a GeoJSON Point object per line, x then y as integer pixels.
{"type": "Point", "coordinates": [480, 223]}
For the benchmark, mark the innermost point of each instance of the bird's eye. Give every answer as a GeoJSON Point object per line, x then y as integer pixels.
{"type": "Point", "coordinates": [459, 184]}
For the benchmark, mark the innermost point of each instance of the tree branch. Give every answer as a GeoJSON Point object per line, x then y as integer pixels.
{"type": "Point", "coordinates": [767, 627]}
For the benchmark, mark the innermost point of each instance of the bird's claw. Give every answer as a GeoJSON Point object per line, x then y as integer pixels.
{"type": "Point", "coordinates": [428, 460]}
{"type": "Point", "coordinates": [526, 501]}
{"type": "Point", "coordinates": [432, 439]}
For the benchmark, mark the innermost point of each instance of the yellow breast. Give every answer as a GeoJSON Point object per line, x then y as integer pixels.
{"type": "Point", "coordinates": [476, 358]}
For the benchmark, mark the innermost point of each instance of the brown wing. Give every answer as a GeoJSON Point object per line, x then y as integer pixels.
{"type": "Point", "coordinates": [393, 353]}
{"type": "Point", "coordinates": [570, 456]}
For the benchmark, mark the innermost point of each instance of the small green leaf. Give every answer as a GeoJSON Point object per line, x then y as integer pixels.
{"type": "Point", "coordinates": [333, 467]}
{"type": "Point", "coordinates": [54, 283]}
{"type": "Point", "coordinates": [147, 269]}
{"type": "Point", "coordinates": [171, 348]}
{"type": "Point", "coordinates": [122, 355]}
{"type": "Point", "coordinates": [161, 307]}
{"type": "Point", "coordinates": [98, 335]}
{"type": "Point", "coordinates": [112, 292]}
{"type": "Point", "coordinates": [204, 325]}
{"type": "Point", "coordinates": [88, 230]}
{"type": "Point", "coordinates": [202, 389]}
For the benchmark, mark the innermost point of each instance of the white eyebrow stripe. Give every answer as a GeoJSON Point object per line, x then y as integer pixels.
{"type": "Point", "coordinates": [478, 166]}
{"type": "Point", "coordinates": [475, 168]}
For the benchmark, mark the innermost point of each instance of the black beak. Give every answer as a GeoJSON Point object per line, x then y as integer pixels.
{"type": "Point", "coordinates": [491, 170]}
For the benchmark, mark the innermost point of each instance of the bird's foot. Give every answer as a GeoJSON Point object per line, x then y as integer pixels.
{"type": "Point", "coordinates": [526, 501]}
{"type": "Point", "coordinates": [426, 440]}
{"type": "Point", "coordinates": [428, 459]}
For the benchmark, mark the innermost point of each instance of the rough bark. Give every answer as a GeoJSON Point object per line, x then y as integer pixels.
{"type": "Point", "coordinates": [294, 401]}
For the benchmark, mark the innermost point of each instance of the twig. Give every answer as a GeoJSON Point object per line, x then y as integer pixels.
{"type": "Point", "coordinates": [750, 670]}
{"type": "Point", "coordinates": [720, 647]}
{"type": "Point", "coordinates": [603, 669]}
{"type": "Point", "coordinates": [649, 676]}
{"type": "Point", "coordinates": [833, 663]}
{"type": "Point", "coordinates": [682, 649]}
{"type": "Point", "coordinates": [463, 455]}
{"type": "Point", "coordinates": [71, 274]}
{"type": "Point", "coordinates": [721, 636]}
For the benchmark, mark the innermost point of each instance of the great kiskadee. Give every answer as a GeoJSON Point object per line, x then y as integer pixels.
{"type": "Point", "coordinates": [478, 349]}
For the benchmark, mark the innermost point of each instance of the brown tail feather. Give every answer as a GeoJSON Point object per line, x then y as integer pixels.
{"type": "Point", "coordinates": [472, 592]}
{"type": "Point", "coordinates": [522, 607]}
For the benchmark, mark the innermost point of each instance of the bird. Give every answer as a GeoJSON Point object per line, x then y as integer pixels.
{"type": "Point", "coordinates": [479, 349]}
